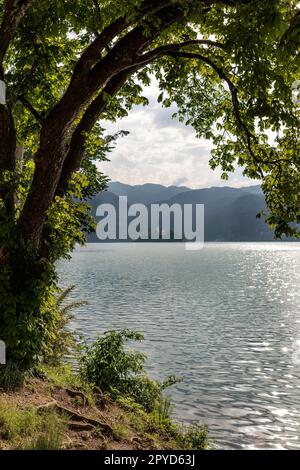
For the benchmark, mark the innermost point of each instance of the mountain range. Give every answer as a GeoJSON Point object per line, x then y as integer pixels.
{"type": "Point", "coordinates": [230, 213]}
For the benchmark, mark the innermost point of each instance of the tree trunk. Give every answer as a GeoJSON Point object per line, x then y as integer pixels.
{"type": "Point", "coordinates": [7, 158]}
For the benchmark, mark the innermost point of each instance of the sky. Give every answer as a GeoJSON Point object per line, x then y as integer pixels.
{"type": "Point", "coordinates": [162, 150]}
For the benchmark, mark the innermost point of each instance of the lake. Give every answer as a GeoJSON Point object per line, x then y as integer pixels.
{"type": "Point", "coordinates": [225, 318]}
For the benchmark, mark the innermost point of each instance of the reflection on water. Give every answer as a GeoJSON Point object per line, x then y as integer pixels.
{"type": "Point", "coordinates": [225, 318]}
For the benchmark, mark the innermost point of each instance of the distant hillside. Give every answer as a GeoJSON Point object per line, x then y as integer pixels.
{"type": "Point", "coordinates": [146, 193]}
{"type": "Point", "coordinates": [253, 190]}
{"type": "Point", "coordinates": [230, 213]}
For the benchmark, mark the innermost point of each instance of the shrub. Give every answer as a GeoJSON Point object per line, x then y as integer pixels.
{"type": "Point", "coordinates": [11, 376]}
{"type": "Point", "coordinates": [121, 372]}
{"type": "Point", "coordinates": [28, 320]}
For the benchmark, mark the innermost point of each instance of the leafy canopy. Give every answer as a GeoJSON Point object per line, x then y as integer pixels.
{"type": "Point", "coordinates": [235, 89]}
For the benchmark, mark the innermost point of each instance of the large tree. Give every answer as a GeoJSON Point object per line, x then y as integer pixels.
{"type": "Point", "coordinates": [229, 65]}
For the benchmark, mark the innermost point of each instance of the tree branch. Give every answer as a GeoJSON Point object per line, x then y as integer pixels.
{"type": "Point", "coordinates": [234, 96]}
{"type": "Point", "coordinates": [94, 51]}
{"type": "Point", "coordinates": [97, 8]}
{"type": "Point", "coordinates": [14, 11]}
{"type": "Point", "coordinates": [30, 108]}
{"type": "Point", "coordinates": [96, 108]}
{"type": "Point", "coordinates": [169, 48]}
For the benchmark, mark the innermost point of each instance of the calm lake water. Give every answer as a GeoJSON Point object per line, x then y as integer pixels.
{"type": "Point", "coordinates": [226, 319]}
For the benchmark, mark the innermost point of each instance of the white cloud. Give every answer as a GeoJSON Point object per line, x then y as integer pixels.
{"type": "Point", "coordinates": [161, 150]}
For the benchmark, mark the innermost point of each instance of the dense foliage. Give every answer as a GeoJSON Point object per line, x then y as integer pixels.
{"type": "Point", "coordinates": [107, 364]}
{"type": "Point", "coordinates": [68, 65]}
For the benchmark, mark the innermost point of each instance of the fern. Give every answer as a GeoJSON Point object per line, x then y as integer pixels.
{"type": "Point", "coordinates": [65, 341]}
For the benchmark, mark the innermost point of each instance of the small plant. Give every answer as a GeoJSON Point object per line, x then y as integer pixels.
{"type": "Point", "coordinates": [162, 412]}
{"type": "Point", "coordinates": [51, 434]}
{"type": "Point", "coordinates": [65, 339]}
{"type": "Point", "coordinates": [193, 437]}
{"type": "Point", "coordinates": [11, 376]}
{"type": "Point", "coordinates": [121, 372]}
{"type": "Point", "coordinates": [121, 431]}
{"type": "Point", "coordinates": [128, 404]}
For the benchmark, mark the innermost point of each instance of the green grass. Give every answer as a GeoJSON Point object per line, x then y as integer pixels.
{"type": "Point", "coordinates": [121, 431]}
{"type": "Point", "coordinates": [159, 425]}
{"type": "Point", "coordinates": [27, 429]}
{"type": "Point", "coordinates": [51, 434]}
{"type": "Point", "coordinates": [17, 423]}
{"type": "Point", "coordinates": [61, 376]}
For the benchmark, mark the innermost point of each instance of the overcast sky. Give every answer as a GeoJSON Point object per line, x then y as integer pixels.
{"type": "Point", "coordinates": [159, 149]}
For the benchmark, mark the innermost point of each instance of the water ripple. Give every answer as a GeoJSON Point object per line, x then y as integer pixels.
{"type": "Point", "coordinates": [225, 318]}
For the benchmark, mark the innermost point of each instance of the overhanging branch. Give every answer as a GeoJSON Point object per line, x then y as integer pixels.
{"type": "Point", "coordinates": [30, 108]}
{"type": "Point", "coordinates": [234, 97]}
{"type": "Point", "coordinates": [94, 51]}
{"type": "Point", "coordinates": [168, 49]}
{"type": "Point", "coordinates": [92, 114]}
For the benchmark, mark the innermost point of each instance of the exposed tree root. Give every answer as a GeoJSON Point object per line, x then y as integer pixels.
{"type": "Point", "coordinates": [78, 426]}
{"type": "Point", "coordinates": [77, 417]}
{"type": "Point", "coordinates": [48, 406]}
{"type": "Point", "coordinates": [78, 393]}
